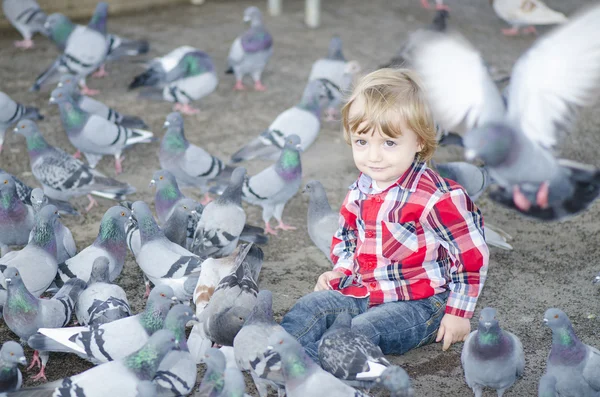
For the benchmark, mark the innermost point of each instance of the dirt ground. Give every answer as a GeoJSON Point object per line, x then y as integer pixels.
{"type": "Point", "coordinates": [552, 265]}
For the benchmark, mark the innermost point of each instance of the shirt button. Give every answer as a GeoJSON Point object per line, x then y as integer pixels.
{"type": "Point", "coordinates": [378, 199]}
{"type": "Point", "coordinates": [373, 285]}
{"type": "Point", "coordinates": [370, 234]}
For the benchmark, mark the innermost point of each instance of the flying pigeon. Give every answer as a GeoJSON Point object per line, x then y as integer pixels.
{"type": "Point", "coordinates": [27, 17]}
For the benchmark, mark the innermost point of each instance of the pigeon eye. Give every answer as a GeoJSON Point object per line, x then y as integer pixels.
{"type": "Point", "coordinates": [556, 316]}
{"type": "Point", "coordinates": [161, 178]}
{"type": "Point", "coordinates": [5, 181]}
{"type": "Point", "coordinates": [56, 212]}
{"type": "Point", "coordinates": [12, 354]}
{"type": "Point", "coordinates": [185, 207]}
{"type": "Point", "coordinates": [280, 342]}
{"type": "Point", "coordinates": [122, 213]}
{"type": "Point", "coordinates": [163, 295]}
{"type": "Point", "coordinates": [17, 273]}
{"type": "Point", "coordinates": [22, 127]}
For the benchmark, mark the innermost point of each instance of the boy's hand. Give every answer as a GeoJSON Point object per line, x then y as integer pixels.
{"type": "Point", "coordinates": [453, 329]}
{"type": "Point", "coordinates": [323, 281]}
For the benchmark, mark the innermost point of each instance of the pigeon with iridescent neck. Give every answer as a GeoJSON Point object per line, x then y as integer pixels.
{"type": "Point", "coordinates": [167, 195]}
{"type": "Point", "coordinates": [16, 218]}
{"type": "Point", "coordinates": [302, 120]}
{"type": "Point", "coordinates": [190, 164]}
{"type": "Point", "coordinates": [492, 357]}
{"type": "Point", "coordinates": [322, 221]}
{"type": "Point", "coordinates": [111, 341]}
{"type": "Point", "coordinates": [25, 314]}
{"type": "Point", "coordinates": [117, 378]}
{"type": "Point", "coordinates": [110, 242]}
{"type": "Point", "coordinates": [396, 381]}
{"type": "Point", "coordinates": [162, 261]}
{"type": "Point", "coordinates": [177, 372]}
{"type": "Point", "coordinates": [65, 244]}
{"type": "Point", "coordinates": [274, 186]}
{"type": "Point", "coordinates": [574, 365]}
{"type": "Point", "coordinates": [27, 17]}
{"type": "Point", "coordinates": [37, 261]}
{"type": "Point", "coordinates": [213, 382]}
{"type": "Point", "coordinates": [11, 355]}
{"type": "Point", "coordinates": [303, 377]}
{"type": "Point", "coordinates": [250, 52]}
{"type": "Point", "coordinates": [93, 106]}
{"type": "Point", "coordinates": [62, 176]}
{"type": "Point", "coordinates": [11, 112]}
{"type": "Point", "coordinates": [94, 135]}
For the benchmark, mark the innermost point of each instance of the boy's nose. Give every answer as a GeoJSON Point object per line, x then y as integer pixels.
{"type": "Point", "coordinates": [374, 154]}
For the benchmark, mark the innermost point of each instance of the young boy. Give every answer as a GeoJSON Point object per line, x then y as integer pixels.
{"type": "Point", "coordinates": [410, 257]}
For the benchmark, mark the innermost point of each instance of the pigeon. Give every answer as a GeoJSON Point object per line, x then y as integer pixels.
{"type": "Point", "coordinates": [492, 357]}
{"type": "Point", "coordinates": [302, 120]}
{"type": "Point", "coordinates": [16, 218]}
{"type": "Point", "coordinates": [63, 176]}
{"type": "Point", "coordinates": [94, 135]}
{"type": "Point", "coordinates": [146, 388]}
{"type": "Point", "coordinates": [348, 355]}
{"type": "Point", "coordinates": [190, 164]}
{"type": "Point", "coordinates": [37, 261]}
{"type": "Point", "coordinates": [90, 105]}
{"type": "Point", "coordinates": [184, 75]}
{"type": "Point", "coordinates": [101, 302]}
{"type": "Point", "coordinates": [596, 279]}
{"type": "Point", "coordinates": [11, 112]}
{"type": "Point", "coordinates": [515, 141]}
{"type": "Point", "coordinates": [250, 345]}
{"type": "Point", "coordinates": [65, 244]}
{"type": "Point", "coordinates": [24, 314]}
{"type": "Point", "coordinates": [119, 378]}
{"type": "Point", "coordinates": [274, 186]}
{"type": "Point", "coordinates": [303, 377]}
{"type": "Point", "coordinates": [396, 381]}
{"type": "Point", "coordinates": [2, 299]}
{"type": "Point", "coordinates": [222, 221]}
{"type": "Point", "coordinates": [575, 365]}
{"type": "Point", "coordinates": [250, 52]}
{"type": "Point", "coordinates": [111, 341]}
{"type": "Point", "coordinates": [522, 15]}
{"type": "Point", "coordinates": [475, 180]}
{"type": "Point", "coordinates": [85, 51]}
{"type": "Point", "coordinates": [110, 243]}
{"type": "Point", "coordinates": [11, 354]}
{"type": "Point", "coordinates": [213, 381]}
{"type": "Point", "coordinates": [177, 372]}
{"type": "Point", "coordinates": [547, 386]}
{"type": "Point", "coordinates": [234, 383]}
{"type": "Point", "coordinates": [234, 298]}
{"type": "Point", "coordinates": [167, 195]}
{"type": "Point", "coordinates": [162, 261]}
{"type": "Point", "coordinates": [322, 222]}
{"type": "Point", "coordinates": [27, 17]}
{"type": "Point", "coordinates": [439, 5]}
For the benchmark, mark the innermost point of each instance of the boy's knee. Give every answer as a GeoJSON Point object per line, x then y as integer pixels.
{"type": "Point", "coordinates": [362, 326]}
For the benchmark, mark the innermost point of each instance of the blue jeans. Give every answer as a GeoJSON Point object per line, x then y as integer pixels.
{"type": "Point", "coordinates": [396, 327]}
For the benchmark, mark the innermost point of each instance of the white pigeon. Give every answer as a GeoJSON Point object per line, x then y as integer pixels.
{"type": "Point", "coordinates": [524, 14]}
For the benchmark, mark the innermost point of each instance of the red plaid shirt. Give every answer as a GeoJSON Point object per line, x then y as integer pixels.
{"type": "Point", "coordinates": [419, 237]}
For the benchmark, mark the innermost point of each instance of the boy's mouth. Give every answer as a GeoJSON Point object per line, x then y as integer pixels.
{"type": "Point", "coordinates": [377, 169]}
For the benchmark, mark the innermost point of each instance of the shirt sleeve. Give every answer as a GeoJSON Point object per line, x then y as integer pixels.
{"type": "Point", "coordinates": [456, 220]}
{"type": "Point", "coordinates": [343, 243]}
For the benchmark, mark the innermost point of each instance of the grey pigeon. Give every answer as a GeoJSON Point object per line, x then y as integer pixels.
{"type": "Point", "coordinates": [85, 51]}
{"type": "Point", "coordinates": [302, 120]}
{"type": "Point", "coordinates": [16, 218]}
{"type": "Point", "coordinates": [118, 378]}
{"type": "Point", "coordinates": [184, 75]}
{"type": "Point", "coordinates": [235, 385]}
{"type": "Point", "coordinates": [250, 52]}
{"type": "Point", "coordinates": [27, 17]}
{"type": "Point", "coordinates": [2, 299]}
{"type": "Point", "coordinates": [547, 386]}
{"type": "Point", "coordinates": [322, 221]}
{"type": "Point", "coordinates": [25, 314]}
{"type": "Point", "coordinates": [177, 372]}
{"type": "Point", "coordinates": [234, 298]}
{"type": "Point", "coordinates": [65, 244]}
{"type": "Point", "coordinates": [110, 243]}
{"type": "Point", "coordinates": [251, 342]}
{"type": "Point", "coordinates": [146, 388]}
{"type": "Point", "coordinates": [492, 357]}
{"type": "Point", "coordinates": [348, 355]}
{"type": "Point", "coordinates": [162, 261]}
{"type": "Point", "coordinates": [110, 341]}
{"type": "Point", "coordinates": [222, 221]}
{"type": "Point", "coordinates": [101, 302]}
{"type": "Point", "coordinates": [63, 176]}
{"type": "Point", "coordinates": [574, 365]}
{"type": "Point", "coordinates": [303, 377]}
{"type": "Point", "coordinates": [94, 135]}
{"type": "Point", "coordinates": [274, 186]}
{"type": "Point", "coordinates": [596, 279]}
{"type": "Point", "coordinates": [11, 354]}
{"type": "Point", "coordinates": [396, 381]}
{"type": "Point", "coordinates": [93, 106]}
{"type": "Point", "coordinates": [37, 261]}
{"type": "Point", "coordinates": [190, 164]}
{"type": "Point", "coordinates": [11, 112]}
{"type": "Point", "coordinates": [213, 381]}
{"type": "Point", "coordinates": [516, 140]}
{"type": "Point", "coordinates": [167, 195]}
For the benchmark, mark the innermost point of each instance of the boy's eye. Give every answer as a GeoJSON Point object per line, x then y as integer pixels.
{"type": "Point", "coordinates": [360, 142]}
{"type": "Point", "coordinates": [390, 143]}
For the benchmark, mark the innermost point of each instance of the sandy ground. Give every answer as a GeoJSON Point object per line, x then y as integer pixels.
{"type": "Point", "coordinates": [551, 265]}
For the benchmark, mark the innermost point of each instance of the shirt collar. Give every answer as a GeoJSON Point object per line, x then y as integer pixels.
{"type": "Point", "coordinates": [408, 181]}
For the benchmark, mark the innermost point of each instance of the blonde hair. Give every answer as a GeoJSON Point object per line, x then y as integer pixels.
{"type": "Point", "coordinates": [387, 94]}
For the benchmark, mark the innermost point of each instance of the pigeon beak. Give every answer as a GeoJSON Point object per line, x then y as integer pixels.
{"type": "Point", "coordinates": [299, 148]}
{"type": "Point", "coordinates": [16, 130]}
{"type": "Point", "coordinates": [166, 124]}
{"type": "Point", "coordinates": [23, 360]}
{"type": "Point", "coordinates": [596, 279]}
{"type": "Point", "coordinates": [52, 100]}
{"type": "Point", "coordinates": [470, 154]}
{"type": "Point", "coordinates": [247, 19]}
{"type": "Point", "coordinates": [195, 318]}
{"type": "Point", "coordinates": [8, 280]}
{"type": "Point", "coordinates": [152, 183]}
{"type": "Point", "coordinates": [60, 84]}
{"type": "Point", "coordinates": [174, 299]}
{"type": "Point", "coordinates": [269, 348]}
{"type": "Point", "coordinates": [546, 321]}
{"type": "Point", "coordinates": [194, 212]}
{"type": "Point", "coordinates": [487, 325]}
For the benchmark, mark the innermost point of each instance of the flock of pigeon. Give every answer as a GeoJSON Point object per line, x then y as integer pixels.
{"type": "Point", "coordinates": [191, 251]}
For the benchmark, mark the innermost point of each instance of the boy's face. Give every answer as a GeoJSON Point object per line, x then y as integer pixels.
{"type": "Point", "coordinates": [382, 158]}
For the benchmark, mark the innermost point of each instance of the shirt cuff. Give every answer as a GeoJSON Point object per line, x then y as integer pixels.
{"type": "Point", "coordinates": [460, 305]}
{"type": "Point", "coordinates": [346, 267]}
